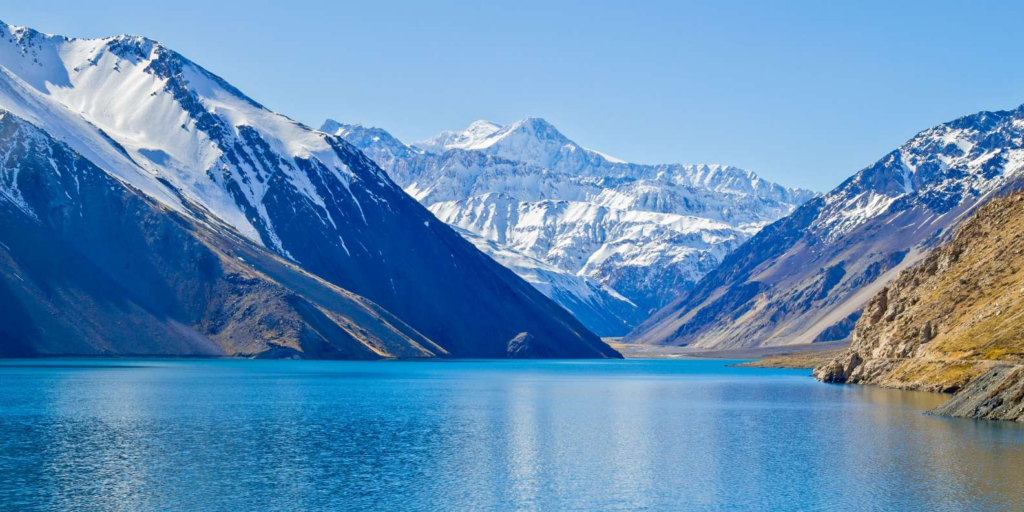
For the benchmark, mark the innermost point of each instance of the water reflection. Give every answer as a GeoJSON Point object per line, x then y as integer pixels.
{"type": "Point", "coordinates": [662, 435]}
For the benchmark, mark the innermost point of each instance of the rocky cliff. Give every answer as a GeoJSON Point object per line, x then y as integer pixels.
{"type": "Point", "coordinates": [952, 323]}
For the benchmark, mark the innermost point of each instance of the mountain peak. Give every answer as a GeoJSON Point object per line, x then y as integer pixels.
{"type": "Point", "coordinates": [483, 127]}
{"type": "Point", "coordinates": [536, 122]}
{"type": "Point", "coordinates": [805, 278]}
{"type": "Point", "coordinates": [537, 127]}
{"type": "Point", "coordinates": [476, 132]}
{"type": "Point", "coordinates": [331, 126]}
{"type": "Point", "coordinates": [27, 37]}
{"type": "Point", "coordinates": [533, 140]}
{"type": "Point", "coordinates": [21, 33]}
{"type": "Point", "coordinates": [140, 46]}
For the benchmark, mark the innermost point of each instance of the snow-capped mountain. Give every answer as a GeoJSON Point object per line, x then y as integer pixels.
{"type": "Point", "coordinates": [645, 232]}
{"type": "Point", "coordinates": [164, 126]}
{"type": "Point", "coordinates": [807, 277]}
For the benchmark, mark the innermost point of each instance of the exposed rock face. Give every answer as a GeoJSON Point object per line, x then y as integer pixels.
{"type": "Point", "coordinates": [957, 315]}
{"type": "Point", "coordinates": [524, 346]}
{"type": "Point", "coordinates": [803, 275]}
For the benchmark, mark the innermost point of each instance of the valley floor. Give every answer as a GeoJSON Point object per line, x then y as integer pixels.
{"type": "Point", "coordinates": [802, 359]}
{"type": "Point", "coordinates": [772, 357]}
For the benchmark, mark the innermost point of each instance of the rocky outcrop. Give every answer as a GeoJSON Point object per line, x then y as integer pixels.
{"type": "Point", "coordinates": [953, 323]}
{"type": "Point", "coordinates": [995, 395]}
{"type": "Point", "coordinates": [524, 346]}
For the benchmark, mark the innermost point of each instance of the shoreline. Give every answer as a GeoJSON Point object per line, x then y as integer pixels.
{"type": "Point", "coordinates": [769, 357]}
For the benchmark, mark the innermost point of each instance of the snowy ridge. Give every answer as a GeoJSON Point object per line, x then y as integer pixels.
{"type": "Point", "coordinates": [644, 231]}
{"type": "Point", "coordinates": [168, 117]}
{"type": "Point", "coordinates": [940, 168]}
{"type": "Point", "coordinates": [24, 101]}
{"type": "Point", "coordinates": [475, 135]}
{"type": "Point", "coordinates": [536, 142]}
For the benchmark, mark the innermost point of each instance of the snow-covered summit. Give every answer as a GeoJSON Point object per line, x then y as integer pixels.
{"type": "Point", "coordinates": [476, 133]}
{"type": "Point", "coordinates": [537, 142]}
{"type": "Point", "coordinates": [174, 120]}
{"type": "Point", "coordinates": [532, 140]}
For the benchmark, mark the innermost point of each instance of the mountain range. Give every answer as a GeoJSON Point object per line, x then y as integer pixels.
{"type": "Point", "coordinates": [807, 277]}
{"type": "Point", "coordinates": [166, 202]}
{"type": "Point", "coordinates": [151, 208]}
{"type": "Point", "coordinates": [611, 241]}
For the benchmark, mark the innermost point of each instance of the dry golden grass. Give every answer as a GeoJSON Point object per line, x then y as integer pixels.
{"type": "Point", "coordinates": [961, 309]}
{"type": "Point", "coordinates": [979, 298]}
{"type": "Point", "coordinates": [807, 359]}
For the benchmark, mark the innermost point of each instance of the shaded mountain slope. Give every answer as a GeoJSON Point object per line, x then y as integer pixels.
{"type": "Point", "coordinates": [89, 266]}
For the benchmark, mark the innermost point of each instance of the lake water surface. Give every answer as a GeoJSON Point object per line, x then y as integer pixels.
{"type": "Point", "coordinates": [484, 435]}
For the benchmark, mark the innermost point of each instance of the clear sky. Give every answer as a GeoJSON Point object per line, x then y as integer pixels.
{"type": "Point", "coordinates": [803, 93]}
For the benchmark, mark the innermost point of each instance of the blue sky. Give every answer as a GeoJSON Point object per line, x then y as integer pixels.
{"type": "Point", "coordinates": [802, 93]}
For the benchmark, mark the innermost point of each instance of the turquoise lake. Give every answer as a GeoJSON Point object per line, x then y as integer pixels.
{"type": "Point", "coordinates": [484, 435]}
